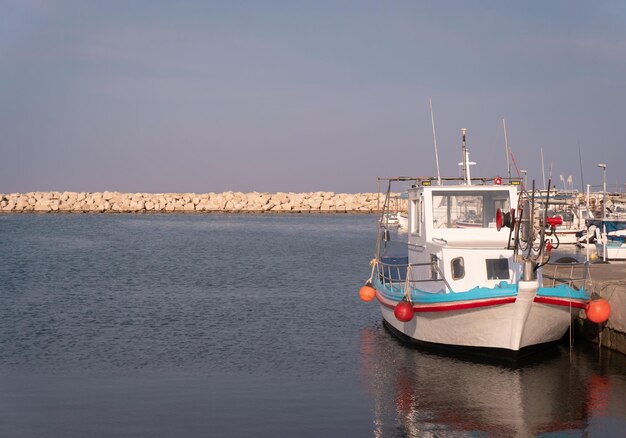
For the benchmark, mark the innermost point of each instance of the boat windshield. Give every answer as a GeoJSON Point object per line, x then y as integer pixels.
{"type": "Point", "coordinates": [468, 209]}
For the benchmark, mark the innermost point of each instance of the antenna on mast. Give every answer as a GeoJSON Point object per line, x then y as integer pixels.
{"type": "Point", "coordinates": [543, 170]}
{"type": "Point", "coordinates": [432, 119]}
{"type": "Point", "coordinates": [465, 163]}
{"type": "Point", "coordinates": [506, 152]}
{"type": "Point", "coordinates": [550, 174]}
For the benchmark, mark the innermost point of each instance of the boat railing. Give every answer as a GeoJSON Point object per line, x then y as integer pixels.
{"type": "Point", "coordinates": [395, 273]}
{"type": "Point", "coordinates": [573, 274]}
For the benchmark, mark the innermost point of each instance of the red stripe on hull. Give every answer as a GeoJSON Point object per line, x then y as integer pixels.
{"type": "Point", "coordinates": [560, 302]}
{"type": "Point", "coordinates": [446, 307]}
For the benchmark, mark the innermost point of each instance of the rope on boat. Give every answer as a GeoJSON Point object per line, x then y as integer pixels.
{"type": "Point", "coordinates": [407, 283]}
{"type": "Point", "coordinates": [373, 264]}
{"type": "Point", "coordinates": [571, 319]}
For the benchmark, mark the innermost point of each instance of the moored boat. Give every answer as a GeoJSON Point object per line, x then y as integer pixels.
{"type": "Point", "coordinates": [573, 214]}
{"type": "Point", "coordinates": [395, 211]}
{"type": "Point", "coordinates": [470, 274]}
{"type": "Point", "coordinates": [612, 249]}
{"type": "Point", "coordinates": [610, 239]}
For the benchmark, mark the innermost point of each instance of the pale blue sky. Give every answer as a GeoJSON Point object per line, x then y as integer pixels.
{"type": "Point", "coordinates": [199, 96]}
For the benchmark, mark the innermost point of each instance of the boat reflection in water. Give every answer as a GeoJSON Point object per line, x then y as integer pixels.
{"type": "Point", "coordinates": [422, 394]}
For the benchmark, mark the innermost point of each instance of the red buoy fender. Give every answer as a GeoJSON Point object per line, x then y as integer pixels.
{"type": "Point", "coordinates": [403, 311]}
{"type": "Point", "coordinates": [598, 310]}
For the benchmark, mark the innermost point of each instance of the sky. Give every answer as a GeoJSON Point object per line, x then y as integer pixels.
{"type": "Point", "coordinates": [298, 96]}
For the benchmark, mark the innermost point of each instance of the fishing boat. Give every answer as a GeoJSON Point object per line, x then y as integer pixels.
{"type": "Point", "coordinates": [468, 274]}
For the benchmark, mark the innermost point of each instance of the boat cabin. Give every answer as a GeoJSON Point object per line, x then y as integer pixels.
{"type": "Point", "coordinates": [455, 226]}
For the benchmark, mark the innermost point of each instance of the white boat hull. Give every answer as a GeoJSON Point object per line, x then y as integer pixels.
{"type": "Point", "coordinates": [565, 237]}
{"type": "Point", "coordinates": [403, 221]}
{"type": "Point", "coordinates": [509, 326]}
{"type": "Point", "coordinates": [613, 252]}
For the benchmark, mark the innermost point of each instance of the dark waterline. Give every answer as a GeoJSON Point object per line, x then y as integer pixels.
{"type": "Point", "coordinates": [248, 325]}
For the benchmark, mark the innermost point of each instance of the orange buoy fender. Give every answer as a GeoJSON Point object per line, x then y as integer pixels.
{"type": "Point", "coordinates": [367, 293]}
{"type": "Point", "coordinates": [598, 310]}
{"type": "Point", "coordinates": [403, 311]}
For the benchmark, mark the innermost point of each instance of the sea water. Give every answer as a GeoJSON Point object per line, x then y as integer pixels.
{"type": "Point", "coordinates": [249, 326]}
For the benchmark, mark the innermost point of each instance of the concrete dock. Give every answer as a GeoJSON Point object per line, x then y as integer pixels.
{"type": "Point", "coordinates": [606, 280]}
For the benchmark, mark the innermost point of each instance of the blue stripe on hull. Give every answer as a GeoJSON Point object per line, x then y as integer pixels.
{"type": "Point", "coordinates": [478, 293]}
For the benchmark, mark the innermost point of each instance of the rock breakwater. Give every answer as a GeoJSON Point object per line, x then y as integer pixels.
{"type": "Point", "coordinates": [116, 202]}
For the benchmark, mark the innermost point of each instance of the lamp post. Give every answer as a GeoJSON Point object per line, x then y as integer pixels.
{"type": "Point", "coordinates": [603, 167]}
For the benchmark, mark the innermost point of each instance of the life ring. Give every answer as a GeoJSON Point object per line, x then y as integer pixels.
{"type": "Point", "coordinates": [497, 181]}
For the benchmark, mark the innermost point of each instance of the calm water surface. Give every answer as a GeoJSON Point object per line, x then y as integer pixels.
{"type": "Point", "coordinates": [248, 326]}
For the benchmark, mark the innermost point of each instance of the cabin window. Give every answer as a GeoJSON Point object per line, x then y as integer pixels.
{"type": "Point", "coordinates": [497, 269]}
{"type": "Point", "coordinates": [416, 216]}
{"type": "Point", "coordinates": [467, 208]}
{"type": "Point", "coordinates": [458, 268]}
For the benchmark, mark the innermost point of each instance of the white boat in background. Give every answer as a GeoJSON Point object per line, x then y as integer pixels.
{"type": "Point", "coordinates": [403, 220]}
{"type": "Point", "coordinates": [389, 219]}
{"type": "Point", "coordinates": [573, 214]}
{"type": "Point", "coordinates": [610, 229]}
{"type": "Point", "coordinates": [395, 211]}
{"type": "Point", "coordinates": [614, 249]}
{"type": "Point", "coordinates": [610, 238]}
{"type": "Point", "coordinates": [470, 274]}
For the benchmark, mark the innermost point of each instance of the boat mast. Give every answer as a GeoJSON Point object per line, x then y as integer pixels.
{"type": "Point", "coordinates": [432, 119]}
{"type": "Point", "coordinates": [506, 152]}
{"type": "Point", "coordinates": [465, 163]}
{"type": "Point", "coordinates": [580, 161]}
